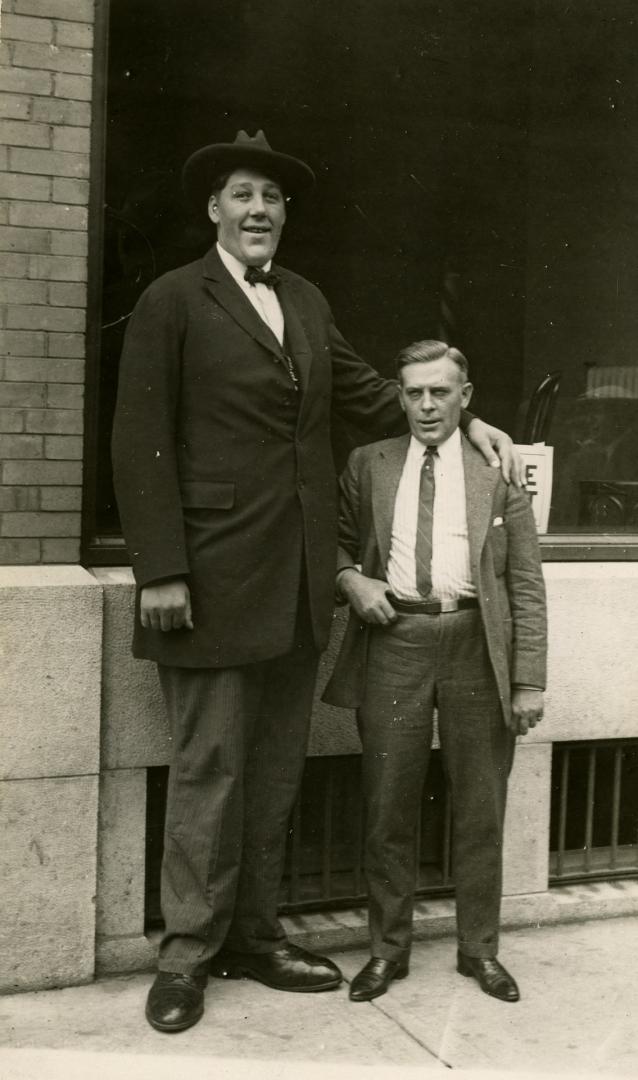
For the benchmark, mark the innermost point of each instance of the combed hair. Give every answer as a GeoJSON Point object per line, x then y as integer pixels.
{"type": "Point", "coordinates": [423, 351]}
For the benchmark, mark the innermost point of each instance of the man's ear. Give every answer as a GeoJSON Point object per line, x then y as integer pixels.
{"type": "Point", "coordinates": [399, 389]}
{"type": "Point", "coordinates": [213, 212]}
{"type": "Point", "coordinates": [466, 394]}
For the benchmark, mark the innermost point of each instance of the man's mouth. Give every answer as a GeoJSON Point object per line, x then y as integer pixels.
{"type": "Point", "coordinates": [257, 229]}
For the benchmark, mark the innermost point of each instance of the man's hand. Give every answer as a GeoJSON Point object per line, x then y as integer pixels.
{"type": "Point", "coordinates": [368, 597]}
{"type": "Point", "coordinates": [498, 449]}
{"type": "Point", "coordinates": [527, 710]}
{"type": "Point", "coordinates": [166, 606]}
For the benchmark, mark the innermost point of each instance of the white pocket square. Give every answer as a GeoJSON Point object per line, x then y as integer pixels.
{"type": "Point", "coordinates": [498, 521]}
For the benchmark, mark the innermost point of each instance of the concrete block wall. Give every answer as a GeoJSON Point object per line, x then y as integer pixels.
{"type": "Point", "coordinates": [50, 683]}
{"type": "Point", "coordinates": [45, 114]}
{"type": "Point", "coordinates": [81, 721]}
{"type": "Point", "coordinates": [586, 638]}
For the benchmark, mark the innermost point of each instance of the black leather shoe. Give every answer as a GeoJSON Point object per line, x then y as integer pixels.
{"type": "Point", "coordinates": [491, 976]}
{"type": "Point", "coordinates": [375, 978]}
{"type": "Point", "coordinates": [288, 968]}
{"type": "Point", "coordinates": [175, 1002]}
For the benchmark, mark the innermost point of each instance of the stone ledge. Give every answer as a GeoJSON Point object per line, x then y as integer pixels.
{"type": "Point", "coordinates": [51, 576]}
{"type": "Point", "coordinates": [326, 932]}
{"type": "Point", "coordinates": [118, 955]}
{"type": "Point", "coordinates": [436, 918]}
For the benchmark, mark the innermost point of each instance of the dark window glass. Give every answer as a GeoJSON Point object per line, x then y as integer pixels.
{"type": "Point", "coordinates": [475, 169]}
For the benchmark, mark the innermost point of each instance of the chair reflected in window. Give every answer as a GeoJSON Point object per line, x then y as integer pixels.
{"type": "Point", "coordinates": [540, 410]}
{"type": "Point", "coordinates": [595, 439]}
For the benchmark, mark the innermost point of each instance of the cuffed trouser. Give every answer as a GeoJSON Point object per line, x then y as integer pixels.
{"type": "Point", "coordinates": [419, 662]}
{"type": "Point", "coordinates": [239, 743]}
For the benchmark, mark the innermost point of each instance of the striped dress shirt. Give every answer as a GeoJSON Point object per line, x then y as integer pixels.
{"type": "Point", "coordinates": [451, 571]}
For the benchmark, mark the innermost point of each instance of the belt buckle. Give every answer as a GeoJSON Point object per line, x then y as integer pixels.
{"type": "Point", "coordinates": [449, 605]}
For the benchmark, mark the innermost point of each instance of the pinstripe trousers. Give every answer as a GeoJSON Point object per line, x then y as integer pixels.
{"type": "Point", "coordinates": [239, 739]}
{"type": "Point", "coordinates": [416, 663]}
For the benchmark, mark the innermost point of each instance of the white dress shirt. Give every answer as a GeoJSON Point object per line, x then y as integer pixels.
{"type": "Point", "coordinates": [451, 571]}
{"type": "Point", "coordinates": [263, 299]}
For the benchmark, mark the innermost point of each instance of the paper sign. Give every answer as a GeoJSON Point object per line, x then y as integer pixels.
{"type": "Point", "coordinates": [539, 468]}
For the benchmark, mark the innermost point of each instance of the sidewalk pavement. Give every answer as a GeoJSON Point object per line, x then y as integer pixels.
{"type": "Point", "coordinates": [578, 1014]}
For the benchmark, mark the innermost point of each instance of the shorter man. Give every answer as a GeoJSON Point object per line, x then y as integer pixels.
{"type": "Point", "coordinates": [448, 610]}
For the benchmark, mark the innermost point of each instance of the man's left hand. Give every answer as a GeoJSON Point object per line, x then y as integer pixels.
{"type": "Point", "coordinates": [498, 449]}
{"type": "Point", "coordinates": [527, 710]}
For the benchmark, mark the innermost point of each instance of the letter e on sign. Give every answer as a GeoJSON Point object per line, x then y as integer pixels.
{"type": "Point", "coordinates": [531, 479]}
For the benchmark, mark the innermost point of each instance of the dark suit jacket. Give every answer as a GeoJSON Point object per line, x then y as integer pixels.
{"type": "Point", "coordinates": [218, 476]}
{"type": "Point", "coordinates": [504, 556]}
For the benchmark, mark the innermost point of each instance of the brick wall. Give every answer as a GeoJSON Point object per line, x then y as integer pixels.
{"type": "Point", "coordinates": [45, 115]}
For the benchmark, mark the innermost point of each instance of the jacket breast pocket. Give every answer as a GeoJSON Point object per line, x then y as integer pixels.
{"type": "Point", "coordinates": [208, 494]}
{"type": "Point", "coordinates": [498, 546]}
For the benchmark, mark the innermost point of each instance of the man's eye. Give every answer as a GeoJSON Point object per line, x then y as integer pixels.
{"type": "Point", "coordinates": [273, 197]}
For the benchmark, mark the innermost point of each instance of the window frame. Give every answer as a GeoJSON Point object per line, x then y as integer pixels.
{"type": "Point", "coordinates": [99, 550]}
{"type": "Point", "coordinates": [93, 547]}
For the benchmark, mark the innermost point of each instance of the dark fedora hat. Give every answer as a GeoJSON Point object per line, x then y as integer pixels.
{"type": "Point", "coordinates": [253, 152]}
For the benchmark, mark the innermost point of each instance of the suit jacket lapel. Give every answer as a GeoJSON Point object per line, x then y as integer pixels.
{"type": "Point", "coordinates": [480, 482]}
{"type": "Point", "coordinates": [227, 293]}
{"type": "Point", "coordinates": [387, 467]}
{"type": "Point", "coordinates": [296, 338]}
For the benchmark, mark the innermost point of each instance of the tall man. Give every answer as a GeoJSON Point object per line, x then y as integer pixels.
{"type": "Point", "coordinates": [226, 488]}
{"type": "Point", "coordinates": [447, 609]}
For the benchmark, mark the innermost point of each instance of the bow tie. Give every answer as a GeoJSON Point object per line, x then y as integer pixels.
{"type": "Point", "coordinates": [256, 276]}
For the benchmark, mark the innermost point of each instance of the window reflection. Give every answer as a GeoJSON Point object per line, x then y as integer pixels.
{"type": "Point", "coordinates": [595, 439]}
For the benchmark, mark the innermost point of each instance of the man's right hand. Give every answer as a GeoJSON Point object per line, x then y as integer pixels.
{"type": "Point", "coordinates": [166, 606]}
{"type": "Point", "coordinates": [368, 597]}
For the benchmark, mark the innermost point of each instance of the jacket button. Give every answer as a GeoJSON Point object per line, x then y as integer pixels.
{"type": "Point", "coordinates": [301, 484]}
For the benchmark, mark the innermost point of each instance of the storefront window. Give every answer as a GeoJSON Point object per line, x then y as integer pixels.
{"type": "Point", "coordinates": [473, 181]}
{"type": "Point", "coordinates": [595, 436]}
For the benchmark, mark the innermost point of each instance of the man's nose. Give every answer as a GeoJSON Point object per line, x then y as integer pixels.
{"type": "Point", "coordinates": [426, 401]}
{"type": "Point", "coordinates": [258, 206]}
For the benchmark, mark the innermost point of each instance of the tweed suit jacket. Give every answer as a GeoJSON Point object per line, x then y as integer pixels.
{"type": "Point", "coordinates": [218, 478]}
{"type": "Point", "coordinates": [504, 557]}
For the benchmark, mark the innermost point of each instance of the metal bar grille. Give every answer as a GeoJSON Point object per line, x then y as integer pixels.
{"type": "Point", "coordinates": [594, 814]}
{"type": "Point", "coordinates": [589, 820]}
{"type": "Point", "coordinates": [447, 841]}
{"type": "Point", "coordinates": [294, 840]}
{"type": "Point", "coordinates": [562, 827]}
{"type": "Point", "coordinates": [359, 839]}
{"type": "Point", "coordinates": [593, 827]}
{"type": "Point", "coordinates": [615, 818]}
{"type": "Point", "coordinates": [326, 851]}
{"type": "Point", "coordinates": [326, 841]}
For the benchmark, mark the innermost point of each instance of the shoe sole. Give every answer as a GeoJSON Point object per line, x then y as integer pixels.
{"type": "Point", "coordinates": [469, 974]}
{"type": "Point", "coordinates": [172, 1029]}
{"type": "Point", "coordinates": [234, 972]}
{"type": "Point", "coordinates": [381, 991]}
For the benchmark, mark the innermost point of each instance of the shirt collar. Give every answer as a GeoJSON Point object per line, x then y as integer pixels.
{"type": "Point", "coordinates": [449, 450]}
{"type": "Point", "coordinates": [235, 266]}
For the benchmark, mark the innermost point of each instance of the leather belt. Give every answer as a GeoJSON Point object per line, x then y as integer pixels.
{"type": "Point", "coordinates": [431, 607]}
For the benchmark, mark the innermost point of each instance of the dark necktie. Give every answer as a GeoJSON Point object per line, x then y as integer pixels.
{"type": "Point", "coordinates": [255, 275]}
{"type": "Point", "coordinates": [423, 547]}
